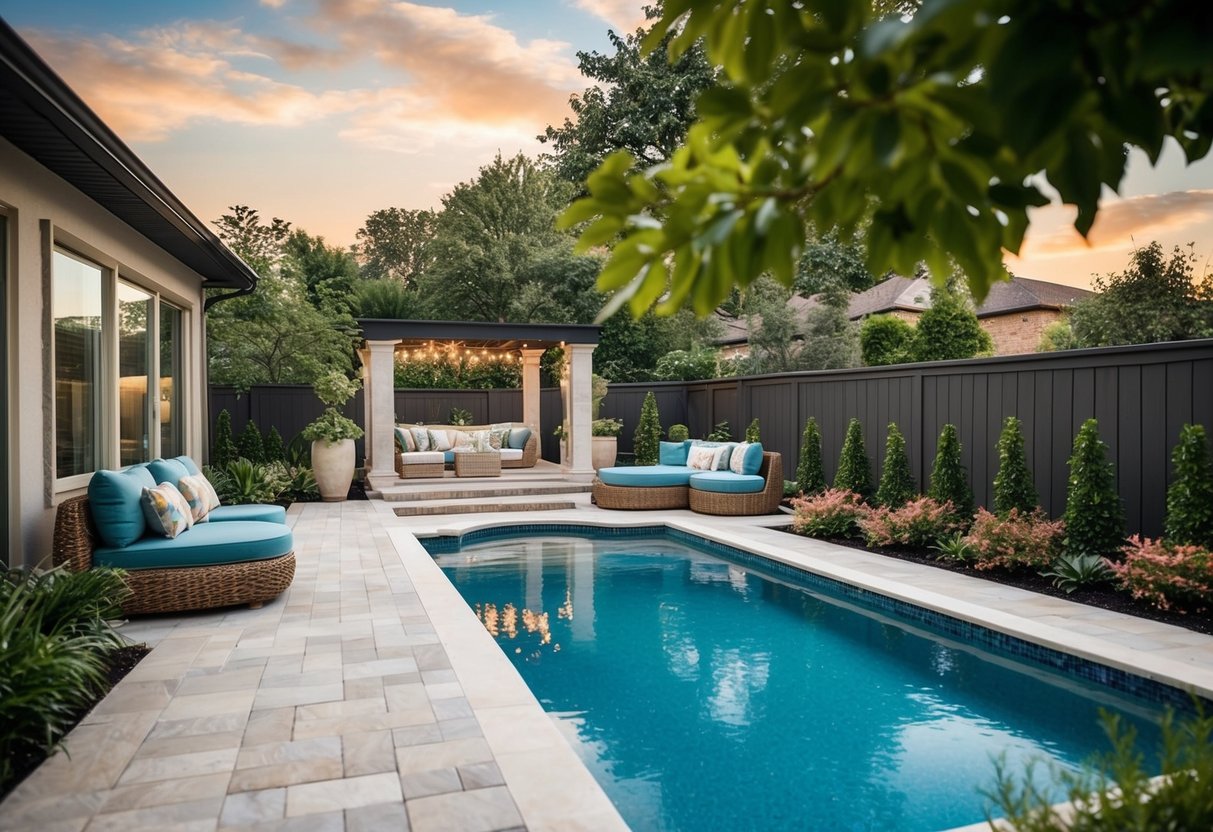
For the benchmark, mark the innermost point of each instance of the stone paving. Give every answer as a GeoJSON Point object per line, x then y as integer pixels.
{"type": "Point", "coordinates": [370, 697]}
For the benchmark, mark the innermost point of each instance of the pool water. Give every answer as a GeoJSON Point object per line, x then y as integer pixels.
{"type": "Point", "coordinates": [702, 695]}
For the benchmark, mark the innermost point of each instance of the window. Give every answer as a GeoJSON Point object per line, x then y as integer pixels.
{"type": "Point", "coordinates": [77, 307]}
{"type": "Point", "coordinates": [117, 363]}
{"type": "Point", "coordinates": [172, 435]}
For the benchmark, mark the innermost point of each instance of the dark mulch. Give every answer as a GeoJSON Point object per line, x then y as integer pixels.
{"type": "Point", "coordinates": [1104, 597]}
{"type": "Point", "coordinates": [357, 490]}
{"type": "Point", "coordinates": [121, 663]}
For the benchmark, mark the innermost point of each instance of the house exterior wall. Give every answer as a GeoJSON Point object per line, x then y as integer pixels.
{"type": "Point", "coordinates": [36, 202]}
{"type": "Point", "coordinates": [1018, 332]}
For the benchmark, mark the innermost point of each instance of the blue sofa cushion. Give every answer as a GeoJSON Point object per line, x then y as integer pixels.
{"type": "Point", "coordinates": [167, 470]}
{"type": "Point", "coordinates": [205, 545]}
{"type": "Point", "coordinates": [114, 497]}
{"type": "Point", "coordinates": [674, 453]}
{"type": "Point", "coordinates": [260, 512]}
{"type": "Point", "coordinates": [448, 457]}
{"type": "Point", "coordinates": [646, 476]}
{"type": "Point", "coordinates": [726, 482]}
{"type": "Point", "coordinates": [518, 438]}
{"type": "Point", "coordinates": [190, 467]}
{"type": "Point", "coordinates": [751, 458]}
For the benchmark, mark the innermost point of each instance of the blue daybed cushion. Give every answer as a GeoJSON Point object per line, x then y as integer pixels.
{"type": "Point", "coordinates": [206, 544]}
{"type": "Point", "coordinates": [751, 462]}
{"type": "Point", "coordinates": [646, 476]}
{"type": "Point", "coordinates": [193, 469]}
{"type": "Point", "coordinates": [518, 438]}
{"type": "Point", "coordinates": [114, 500]}
{"type": "Point", "coordinates": [674, 453]}
{"type": "Point", "coordinates": [261, 512]}
{"type": "Point", "coordinates": [726, 482]}
{"type": "Point", "coordinates": [167, 470]}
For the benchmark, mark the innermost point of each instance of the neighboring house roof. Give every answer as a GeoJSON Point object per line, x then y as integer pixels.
{"type": "Point", "coordinates": [1015, 295]}
{"type": "Point", "coordinates": [41, 115]}
{"type": "Point", "coordinates": [914, 295]}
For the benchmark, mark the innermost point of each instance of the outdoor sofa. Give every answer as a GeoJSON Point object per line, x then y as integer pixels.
{"type": "Point", "coordinates": [239, 555]}
{"type": "Point", "coordinates": [755, 488]}
{"type": "Point", "coordinates": [520, 448]}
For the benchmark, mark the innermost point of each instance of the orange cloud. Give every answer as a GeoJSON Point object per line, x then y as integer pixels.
{"type": "Point", "coordinates": [1118, 223]}
{"type": "Point", "coordinates": [625, 15]}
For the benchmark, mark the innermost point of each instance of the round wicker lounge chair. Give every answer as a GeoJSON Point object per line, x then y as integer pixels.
{"type": "Point", "coordinates": [624, 498]}
{"type": "Point", "coordinates": [765, 501]}
{"type": "Point", "coordinates": [173, 589]}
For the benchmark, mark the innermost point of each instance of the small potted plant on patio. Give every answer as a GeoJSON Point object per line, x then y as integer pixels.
{"type": "Point", "coordinates": [332, 436]}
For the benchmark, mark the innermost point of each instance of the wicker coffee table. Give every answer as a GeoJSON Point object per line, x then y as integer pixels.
{"type": "Point", "coordinates": [478, 464]}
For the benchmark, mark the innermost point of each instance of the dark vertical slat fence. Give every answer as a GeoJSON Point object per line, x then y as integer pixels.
{"type": "Point", "coordinates": [1141, 396]}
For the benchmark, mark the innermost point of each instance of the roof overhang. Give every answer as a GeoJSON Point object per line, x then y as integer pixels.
{"type": "Point", "coordinates": [41, 115]}
{"type": "Point", "coordinates": [479, 334]}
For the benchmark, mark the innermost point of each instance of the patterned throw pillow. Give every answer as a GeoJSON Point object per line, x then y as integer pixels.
{"type": "Point", "coordinates": [704, 459]}
{"type": "Point", "coordinates": [479, 441]}
{"type": "Point", "coordinates": [421, 438]}
{"type": "Point", "coordinates": [738, 457]}
{"type": "Point", "coordinates": [200, 496]}
{"type": "Point", "coordinates": [166, 511]}
{"type": "Point", "coordinates": [405, 437]}
{"type": "Point", "coordinates": [462, 438]}
{"type": "Point", "coordinates": [495, 439]}
{"type": "Point", "coordinates": [439, 441]}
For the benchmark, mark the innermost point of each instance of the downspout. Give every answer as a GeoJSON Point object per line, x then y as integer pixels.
{"type": "Point", "coordinates": [206, 382]}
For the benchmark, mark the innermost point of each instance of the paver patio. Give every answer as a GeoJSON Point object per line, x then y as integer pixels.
{"type": "Point", "coordinates": [370, 697]}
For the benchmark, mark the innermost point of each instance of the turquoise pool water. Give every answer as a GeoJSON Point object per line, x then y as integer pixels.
{"type": "Point", "coordinates": [703, 695]}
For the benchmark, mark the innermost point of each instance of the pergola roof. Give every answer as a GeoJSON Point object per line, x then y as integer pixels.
{"type": "Point", "coordinates": [481, 334]}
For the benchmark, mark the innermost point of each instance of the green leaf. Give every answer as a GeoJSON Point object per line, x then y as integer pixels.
{"type": "Point", "coordinates": [580, 211]}
{"type": "Point", "coordinates": [651, 287]}
{"type": "Point", "coordinates": [597, 233]}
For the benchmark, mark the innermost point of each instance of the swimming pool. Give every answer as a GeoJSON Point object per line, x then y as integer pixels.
{"type": "Point", "coordinates": [702, 693]}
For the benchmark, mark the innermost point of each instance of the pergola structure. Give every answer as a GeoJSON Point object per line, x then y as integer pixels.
{"type": "Point", "coordinates": [385, 339]}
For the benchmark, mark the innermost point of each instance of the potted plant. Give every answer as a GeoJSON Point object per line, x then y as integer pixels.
{"type": "Point", "coordinates": [605, 433]}
{"type": "Point", "coordinates": [332, 436]}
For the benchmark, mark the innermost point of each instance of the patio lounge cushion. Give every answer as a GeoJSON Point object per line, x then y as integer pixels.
{"type": "Point", "coordinates": [167, 470]}
{"type": "Point", "coordinates": [508, 454]}
{"type": "Point", "coordinates": [190, 467]}
{"type": "Point", "coordinates": [423, 457]}
{"type": "Point", "coordinates": [518, 438]}
{"type": "Point", "coordinates": [726, 482]}
{"type": "Point", "coordinates": [115, 498]}
{"type": "Point", "coordinates": [674, 453]}
{"type": "Point", "coordinates": [646, 476]}
{"type": "Point", "coordinates": [261, 512]}
{"type": "Point", "coordinates": [204, 545]}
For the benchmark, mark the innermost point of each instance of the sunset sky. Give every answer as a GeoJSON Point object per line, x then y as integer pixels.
{"type": "Point", "coordinates": [322, 111]}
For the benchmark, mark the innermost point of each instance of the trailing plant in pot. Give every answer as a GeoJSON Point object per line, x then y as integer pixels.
{"type": "Point", "coordinates": [605, 437]}
{"type": "Point", "coordinates": [332, 436]}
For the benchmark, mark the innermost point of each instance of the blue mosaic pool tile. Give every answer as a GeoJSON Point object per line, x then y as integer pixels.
{"type": "Point", "coordinates": [1121, 681]}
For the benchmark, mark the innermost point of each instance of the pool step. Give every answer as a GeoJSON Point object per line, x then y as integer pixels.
{"type": "Point", "coordinates": [481, 508]}
{"type": "Point", "coordinates": [483, 490]}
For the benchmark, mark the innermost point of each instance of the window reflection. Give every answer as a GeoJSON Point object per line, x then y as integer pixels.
{"type": "Point", "coordinates": [76, 304]}
{"type": "Point", "coordinates": [134, 368]}
{"type": "Point", "coordinates": [172, 442]}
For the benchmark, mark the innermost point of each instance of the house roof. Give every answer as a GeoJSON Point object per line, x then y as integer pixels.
{"type": "Point", "coordinates": [914, 295]}
{"type": "Point", "coordinates": [41, 115]}
{"type": "Point", "coordinates": [1015, 295]}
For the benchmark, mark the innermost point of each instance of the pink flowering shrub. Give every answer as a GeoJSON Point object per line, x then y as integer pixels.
{"type": "Point", "coordinates": [1168, 575]}
{"type": "Point", "coordinates": [1016, 540]}
{"type": "Point", "coordinates": [834, 512]}
{"type": "Point", "coordinates": [921, 522]}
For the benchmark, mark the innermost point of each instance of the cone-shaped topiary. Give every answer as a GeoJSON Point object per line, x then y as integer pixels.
{"type": "Point", "coordinates": [1013, 487]}
{"type": "Point", "coordinates": [897, 486]}
{"type": "Point", "coordinates": [224, 450]}
{"type": "Point", "coordinates": [647, 438]}
{"type": "Point", "coordinates": [751, 433]}
{"type": "Point", "coordinates": [1190, 497]}
{"type": "Point", "coordinates": [854, 470]}
{"type": "Point", "coordinates": [810, 476]}
{"type": "Point", "coordinates": [949, 482]}
{"type": "Point", "coordinates": [274, 447]}
{"type": "Point", "coordinates": [1095, 519]}
{"type": "Point", "coordinates": [249, 444]}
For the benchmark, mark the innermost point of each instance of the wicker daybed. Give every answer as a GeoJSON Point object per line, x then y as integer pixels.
{"type": "Point", "coordinates": [409, 469]}
{"type": "Point", "coordinates": [178, 588]}
{"type": "Point", "coordinates": [656, 498]}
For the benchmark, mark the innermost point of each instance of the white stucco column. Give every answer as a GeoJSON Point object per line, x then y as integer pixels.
{"type": "Point", "coordinates": [380, 381]}
{"type": "Point", "coordinates": [530, 389]}
{"type": "Point", "coordinates": [579, 369]}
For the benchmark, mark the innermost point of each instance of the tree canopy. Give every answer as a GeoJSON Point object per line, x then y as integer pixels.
{"type": "Point", "coordinates": [934, 128]}
{"type": "Point", "coordinates": [392, 244]}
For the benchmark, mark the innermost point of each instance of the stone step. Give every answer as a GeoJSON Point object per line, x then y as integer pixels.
{"type": "Point", "coordinates": [481, 508]}
{"type": "Point", "coordinates": [482, 490]}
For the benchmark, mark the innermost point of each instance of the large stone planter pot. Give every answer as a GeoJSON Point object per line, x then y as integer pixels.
{"type": "Point", "coordinates": [333, 465]}
{"type": "Point", "coordinates": [603, 451]}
